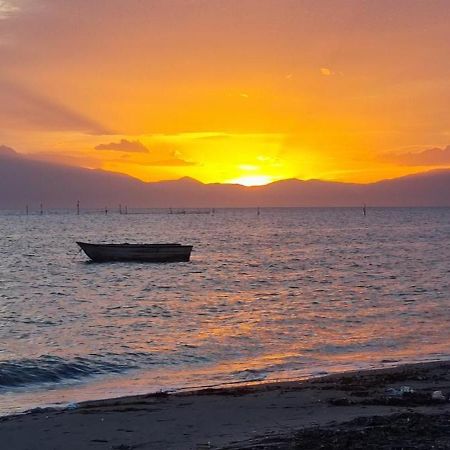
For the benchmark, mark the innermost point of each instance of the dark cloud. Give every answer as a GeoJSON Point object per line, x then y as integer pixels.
{"type": "Point", "coordinates": [161, 155]}
{"type": "Point", "coordinates": [429, 157]}
{"type": "Point", "coordinates": [124, 146]}
{"type": "Point", "coordinates": [21, 107]}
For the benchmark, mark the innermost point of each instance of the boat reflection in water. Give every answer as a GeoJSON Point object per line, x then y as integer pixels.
{"type": "Point", "coordinates": [137, 252]}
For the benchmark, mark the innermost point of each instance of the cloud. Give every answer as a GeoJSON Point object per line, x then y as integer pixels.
{"type": "Point", "coordinates": [172, 162]}
{"type": "Point", "coordinates": [161, 157]}
{"type": "Point", "coordinates": [162, 154]}
{"type": "Point", "coordinates": [325, 71]}
{"type": "Point", "coordinates": [124, 146]}
{"type": "Point", "coordinates": [430, 157]}
{"type": "Point", "coordinates": [7, 8]}
{"type": "Point", "coordinates": [169, 158]}
{"type": "Point", "coordinates": [20, 107]}
{"type": "Point", "coordinates": [212, 136]}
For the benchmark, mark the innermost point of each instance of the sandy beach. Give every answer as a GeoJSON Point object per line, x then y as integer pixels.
{"type": "Point", "coordinates": [385, 408]}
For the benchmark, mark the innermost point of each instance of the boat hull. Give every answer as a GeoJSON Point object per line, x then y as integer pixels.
{"type": "Point", "coordinates": [157, 253]}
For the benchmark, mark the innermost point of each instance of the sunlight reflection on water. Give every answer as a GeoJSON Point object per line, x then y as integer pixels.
{"type": "Point", "coordinates": [292, 292]}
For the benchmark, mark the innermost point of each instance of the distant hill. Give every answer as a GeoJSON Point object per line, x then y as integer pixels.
{"type": "Point", "coordinates": [26, 181]}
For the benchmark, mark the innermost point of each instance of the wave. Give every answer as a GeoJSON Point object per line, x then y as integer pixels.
{"type": "Point", "coordinates": [50, 369]}
{"type": "Point", "coordinates": [54, 369]}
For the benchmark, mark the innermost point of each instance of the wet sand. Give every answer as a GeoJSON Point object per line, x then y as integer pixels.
{"type": "Point", "coordinates": [363, 409]}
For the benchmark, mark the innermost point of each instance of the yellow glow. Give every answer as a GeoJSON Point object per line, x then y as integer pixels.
{"type": "Point", "coordinates": [248, 167]}
{"type": "Point", "coordinates": [252, 180]}
{"type": "Point", "coordinates": [276, 98]}
{"type": "Point", "coordinates": [213, 157]}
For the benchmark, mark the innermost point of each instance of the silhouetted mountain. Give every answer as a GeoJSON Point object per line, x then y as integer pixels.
{"type": "Point", "coordinates": [26, 181]}
{"type": "Point", "coordinates": [8, 152]}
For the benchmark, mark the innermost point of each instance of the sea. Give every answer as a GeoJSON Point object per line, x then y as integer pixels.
{"type": "Point", "coordinates": [279, 294]}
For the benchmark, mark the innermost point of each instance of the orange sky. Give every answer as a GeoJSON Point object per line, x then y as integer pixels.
{"type": "Point", "coordinates": [246, 91]}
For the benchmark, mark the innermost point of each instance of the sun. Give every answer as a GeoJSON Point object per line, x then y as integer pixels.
{"type": "Point", "coordinates": [252, 180]}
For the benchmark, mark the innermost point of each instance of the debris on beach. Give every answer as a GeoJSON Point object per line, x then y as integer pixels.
{"type": "Point", "coordinates": [438, 395]}
{"type": "Point", "coordinates": [399, 431]}
{"type": "Point", "coordinates": [393, 392]}
{"type": "Point", "coordinates": [72, 406]}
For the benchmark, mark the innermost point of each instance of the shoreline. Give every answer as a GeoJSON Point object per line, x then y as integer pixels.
{"type": "Point", "coordinates": [257, 385]}
{"type": "Point", "coordinates": [268, 414]}
{"type": "Point", "coordinates": [61, 399]}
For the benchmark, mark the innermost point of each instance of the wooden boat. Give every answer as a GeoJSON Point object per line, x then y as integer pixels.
{"type": "Point", "coordinates": [137, 252]}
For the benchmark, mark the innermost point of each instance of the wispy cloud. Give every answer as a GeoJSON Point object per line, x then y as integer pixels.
{"type": "Point", "coordinates": [124, 145]}
{"type": "Point", "coordinates": [429, 157]}
{"type": "Point", "coordinates": [21, 107]}
{"type": "Point", "coordinates": [7, 8]}
{"type": "Point", "coordinates": [172, 162]}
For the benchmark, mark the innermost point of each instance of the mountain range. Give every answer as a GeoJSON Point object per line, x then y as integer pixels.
{"type": "Point", "coordinates": [25, 181]}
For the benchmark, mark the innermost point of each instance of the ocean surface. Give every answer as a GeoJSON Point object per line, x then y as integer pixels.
{"type": "Point", "coordinates": [289, 293]}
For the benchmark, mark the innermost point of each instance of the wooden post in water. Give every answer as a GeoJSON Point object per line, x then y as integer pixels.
{"type": "Point", "coordinates": [26, 210]}
{"type": "Point", "coordinates": [78, 207]}
{"type": "Point", "coordinates": [258, 212]}
{"type": "Point", "coordinates": [120, 208]}
{"type": "Point", "coordinates": [41, 211]}
{"type": "Point", "coordinates": [126, 209]}
{"type": "Point", "coordinates": [106, 210]}
{"type": "Point", "coordinates": [364, 210]}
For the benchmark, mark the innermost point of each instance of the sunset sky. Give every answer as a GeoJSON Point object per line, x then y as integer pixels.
{"type": "Point", "coordinates": [247, 91]}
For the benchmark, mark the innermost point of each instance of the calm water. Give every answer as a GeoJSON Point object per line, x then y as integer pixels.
{"type": "Point", "coordinates": [291, 293]}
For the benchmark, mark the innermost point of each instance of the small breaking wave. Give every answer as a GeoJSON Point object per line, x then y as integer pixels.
{"type": "Point", "coordinates": [51, 369]}
{"type": "Point", "coordinates": [54, 369]}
